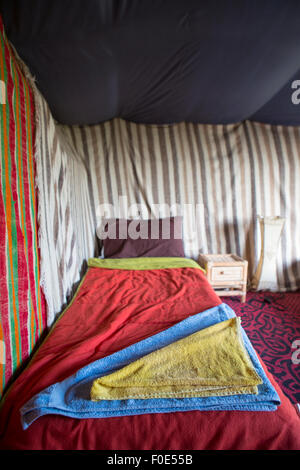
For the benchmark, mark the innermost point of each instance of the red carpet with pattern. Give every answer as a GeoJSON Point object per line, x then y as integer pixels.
{"type": "Point", "coordinates": [272, 322]}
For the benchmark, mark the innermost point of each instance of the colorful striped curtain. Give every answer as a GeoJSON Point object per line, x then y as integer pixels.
{"type": "Point", "coordinates": [22, 308]}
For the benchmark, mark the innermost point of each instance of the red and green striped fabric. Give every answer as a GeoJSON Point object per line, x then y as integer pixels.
{"type": "Point", "coordinates": [22, 307]}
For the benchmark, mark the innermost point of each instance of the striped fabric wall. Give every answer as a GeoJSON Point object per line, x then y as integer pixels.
{"type": "Point", "coordinates": [22, 307]}
{"type": "Point", "coordinates": [66, 228]}
{"type": "Point", "coordinates": [233, 173]}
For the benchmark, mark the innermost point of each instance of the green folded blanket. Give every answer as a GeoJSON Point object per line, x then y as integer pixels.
{"type": "Point", "coordinates": [210, 362]}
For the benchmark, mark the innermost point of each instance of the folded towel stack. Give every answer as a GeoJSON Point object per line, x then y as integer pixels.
{"type": "Point", "coordinates": [206, 362]}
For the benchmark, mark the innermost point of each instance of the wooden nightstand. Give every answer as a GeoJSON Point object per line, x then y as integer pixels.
{"type": "Point", "coordinates": [226, 273]}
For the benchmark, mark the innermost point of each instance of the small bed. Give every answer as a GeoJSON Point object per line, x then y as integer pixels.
{"type": "Point", "coordinates": [121, 303]}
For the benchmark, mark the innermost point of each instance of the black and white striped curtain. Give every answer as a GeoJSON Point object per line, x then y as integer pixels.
{"type": "Point", "coordinates": [220, 176]}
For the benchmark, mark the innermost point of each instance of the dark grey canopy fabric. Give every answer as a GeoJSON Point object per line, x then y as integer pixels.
{"type": "Point", "coordinates": [161, 61]}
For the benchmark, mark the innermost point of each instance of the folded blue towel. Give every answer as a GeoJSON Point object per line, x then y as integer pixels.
{"type": "Point", "coordinates": [71, 397]}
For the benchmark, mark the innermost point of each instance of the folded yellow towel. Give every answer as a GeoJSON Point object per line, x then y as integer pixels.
{"type": "Point", "coordinates": [211, 362]}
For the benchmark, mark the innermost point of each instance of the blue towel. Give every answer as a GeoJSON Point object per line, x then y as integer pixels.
{"type": "Point", "coordinates": [71, 397]}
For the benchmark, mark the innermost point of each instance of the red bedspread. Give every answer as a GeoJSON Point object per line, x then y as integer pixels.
{"type": "Point", "coordinates": [113, 309]}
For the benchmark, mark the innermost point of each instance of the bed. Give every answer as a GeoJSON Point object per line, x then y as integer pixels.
{"type": "Point", "coordinates": [118, 304]}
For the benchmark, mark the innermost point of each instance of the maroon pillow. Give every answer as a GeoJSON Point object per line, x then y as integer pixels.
{"type": "Point", "coordinates": [124, 238]}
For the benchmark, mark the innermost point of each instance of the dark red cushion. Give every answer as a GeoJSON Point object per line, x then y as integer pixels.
{"type": "Point", "coordinates": [134, 238]}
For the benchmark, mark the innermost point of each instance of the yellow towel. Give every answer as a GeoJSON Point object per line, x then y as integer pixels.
{"type": "Point", "coordinates": [211, 362]}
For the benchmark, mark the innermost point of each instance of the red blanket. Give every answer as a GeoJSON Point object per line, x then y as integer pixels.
{"type": "Point", "coordinates": [112, 309]}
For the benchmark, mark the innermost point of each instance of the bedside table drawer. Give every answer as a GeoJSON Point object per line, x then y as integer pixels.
{"type": "Point", "coordinates": [227, 273]}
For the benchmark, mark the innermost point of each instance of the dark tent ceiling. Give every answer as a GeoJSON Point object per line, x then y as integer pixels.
{"type": "Point", "coordinates": [161, 61]}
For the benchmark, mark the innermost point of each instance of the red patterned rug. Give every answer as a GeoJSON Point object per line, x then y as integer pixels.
{"type": "Point", "coordinates": [272, 322]}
